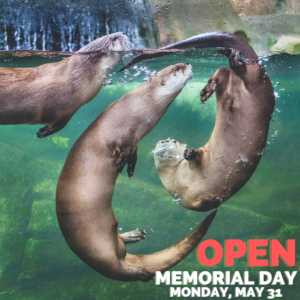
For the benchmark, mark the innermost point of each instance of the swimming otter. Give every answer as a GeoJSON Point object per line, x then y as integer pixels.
{"type": "Point", "coordinates": [202, 179]}
{"type": "Point", "coordinates": [86, 184]}
{"type": "Point", "coordinates": [52, 93]}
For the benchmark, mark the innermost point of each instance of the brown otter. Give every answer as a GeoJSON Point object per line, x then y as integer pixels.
{"type": "Point", "coordinates": [52, 93]}
{"type": "Point", "coordinates": [202, 179]}
{"type": "Point", "coordinates": [86, 184]}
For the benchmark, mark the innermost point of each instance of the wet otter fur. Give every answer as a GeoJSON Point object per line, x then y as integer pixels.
{"type": "Point", "coordinates": [206, 177]}
{"type": "Point", "coordinates": [203, 178]}
{"type": "Point", "coordinates": [52, 93]}
{"type": "Point", "coordinates": [86, 184]}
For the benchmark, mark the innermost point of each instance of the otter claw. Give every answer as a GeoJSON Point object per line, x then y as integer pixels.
{"type": "Point", "coordinates": [130, 170]}
{"type": "Point", "coordinates": [189, 154]}
{"type": "Point", "coordinates": [207, 91]}
{"type": "Point", "coordinates": [133, 236]}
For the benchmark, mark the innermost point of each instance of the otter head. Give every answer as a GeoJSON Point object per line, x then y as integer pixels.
{"type": "Point", "coordinates": [111, 46]}
{"type": "Point", "coordinates": [172, 79]}
{"type": "Point", "coordinates": [112, 42]}
{"type": "Point", "coordinates": [167, 154]}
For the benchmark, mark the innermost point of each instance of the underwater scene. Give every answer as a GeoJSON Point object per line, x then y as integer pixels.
{"type": "Point", "coordinates": [35, 260]}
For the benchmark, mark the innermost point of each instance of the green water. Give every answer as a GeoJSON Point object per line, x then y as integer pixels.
{"type": "Point", "coordinates": [35, 262]}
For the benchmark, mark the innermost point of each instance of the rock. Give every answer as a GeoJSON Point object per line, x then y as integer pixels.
{"type": "Point", "coordinates": [60, 141]}
{"type": "Point", "coordinates": [177, 19]}
{"type": "Point", "coordinates": [45, 174]}
{"type": "Point", "coordinates": [14, 212]}
{"type": "Point", "coordinates": [266, 7]}
{"type": "Point", "coordinates": [45, 257]}
{"type": "Point", "coordinates": [43, 221]}
{"type": "Point", "coordinates": [287, 44]}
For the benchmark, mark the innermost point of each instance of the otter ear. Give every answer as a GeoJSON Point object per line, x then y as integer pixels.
{"type": "Point", "coordinates": [163, 82]}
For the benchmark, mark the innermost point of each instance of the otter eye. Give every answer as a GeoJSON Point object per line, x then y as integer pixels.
{"type": "Point", "coordinates": [114, 38]}
{"type": "Point", "coordinates": [171, 70]}
{"type": "Point", "coordinates": [177, 69]}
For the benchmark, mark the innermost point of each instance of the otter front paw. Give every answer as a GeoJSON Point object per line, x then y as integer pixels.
{"type": "Point", "coordinates": [43, 132]}
{"type": "Point", "coordinates": [236, 59]}
{"type": "Point", "coordinates": [189, 154]}
{"type": "Point", "coordinates": [208, 90]}
{"type": "Point", "coordinates": [132, 236]}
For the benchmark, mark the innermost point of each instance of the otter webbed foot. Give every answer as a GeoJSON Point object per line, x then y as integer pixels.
{"type": "Point", "coordinates": [208, 90]}
{"type": "Point", "coordinates": [132, 236]}
{"type": "Point", "coordinates": [189, 154]}
{"type": "Point", "coordinates": [48, 130]}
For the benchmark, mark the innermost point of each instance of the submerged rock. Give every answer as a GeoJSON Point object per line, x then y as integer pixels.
{"type": "Point", "coordinates": [45, 174]}
{"type": "Point", "coordinates": [46, 256]}
{"type": "Point", "coordinates": [60, 141]}
{"type": "Point", "coordinates": [13, 212]}
{"type": "Point", "coordinates": [287, 44]}
{"type": "Point", "coordinates": [43, 222]}
{"type": "Point", "coordinates": [46, 251]}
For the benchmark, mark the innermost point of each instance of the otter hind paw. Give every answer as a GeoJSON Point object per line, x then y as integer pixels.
{"type": "Point", "coordinates": [48, 130]}
{"type": "Point", "coordinates": [189, 154]}
{"type": "Point", "coordinates": [144, 275]}
{"type": "Point", "coordinates": [132, 236]}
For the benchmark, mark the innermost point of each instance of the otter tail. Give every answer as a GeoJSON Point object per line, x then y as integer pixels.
{"type": "Point", "coordinates": [167, 258]}
{"type": "Point", "coordinates": [107, 255]}
{"type": "Point", "coordinates": [213, 39]}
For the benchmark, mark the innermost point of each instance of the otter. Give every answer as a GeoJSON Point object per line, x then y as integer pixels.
{"type": "Point", "coordinates": [86, 184]}
{"type": "Point", "coordinates": [52, 93]}
{"type": "Point", "coordinates": [204, 178]}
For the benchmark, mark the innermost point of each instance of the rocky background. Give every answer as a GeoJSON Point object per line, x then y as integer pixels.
{"type": "Point", "coordinates": [270, 26]}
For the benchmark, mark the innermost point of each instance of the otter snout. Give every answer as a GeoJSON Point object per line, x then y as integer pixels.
{"type": "Point", "coordinates": [168, 149]}
{"type": "Point", "coordinates": [187, 70]}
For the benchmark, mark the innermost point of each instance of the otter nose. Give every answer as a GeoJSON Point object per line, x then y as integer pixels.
{"type": "Point", "coordinates": [187, 63]}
